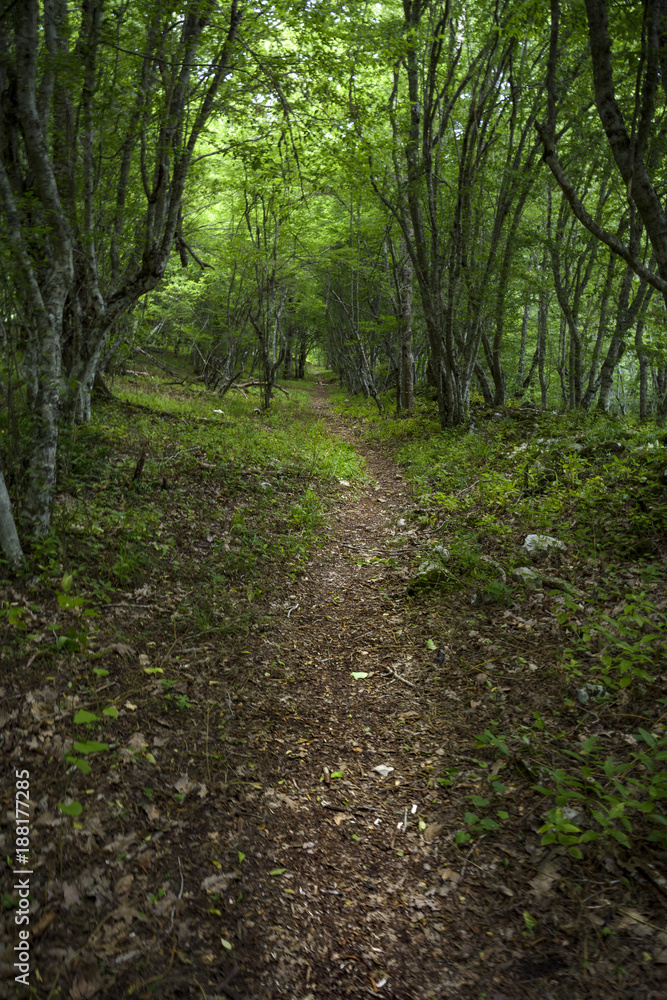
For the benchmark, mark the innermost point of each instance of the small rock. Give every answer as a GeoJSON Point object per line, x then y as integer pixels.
{"type": "Point", "coordinates": [575, 816]}
{"type": "Point", "coordinates": [530, 578]}
{"type": "Point", "coordinates": [432, 570]}
{"type": "Point", "coordinates": [539, 546]}
{"type": "Point", "coordinates": [588, 691]}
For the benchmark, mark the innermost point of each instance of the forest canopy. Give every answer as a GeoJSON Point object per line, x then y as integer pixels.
{"type": "Point", "coordinates": [452, 198]}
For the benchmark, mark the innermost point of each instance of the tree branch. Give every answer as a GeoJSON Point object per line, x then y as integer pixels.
{"type": "Point", "coordinates": [594, 227]}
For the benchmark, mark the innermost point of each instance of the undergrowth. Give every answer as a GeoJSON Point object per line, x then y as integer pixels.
{"type": "Point", "coordinates": [598, 484]}
{"type": "Point", "coordinates": [162, 490]}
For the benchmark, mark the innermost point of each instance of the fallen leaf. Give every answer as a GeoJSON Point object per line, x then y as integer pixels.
{"type": "Point", "coordinates": [449, 875]}
{"type": "Point", "coordinates": [121, 648]}
{"type": "Point", "coordinates": [383, 769]}
{"type": "Point", "coordinates": [120, 844]}
{"type": "Point", "coordinates": [71, 895]}
{"type": "Point", "coordinates": [137, 741]}
{"type": "Point", "coordinates": [340, 818]}
{"type": "Point", "coordinates": [432, 831]}
{"type": "Point", "coordinates": [184, 785]}
{"type": "Point", "coordinates": [635, 922]}
{"type": "Point", "coordinates": [547, 875]}
{"type": "Point", "coordinates": [123, 886]}
{"type": "Point", "coordinates": [218, 883]}
{"type": "Point", "coordinates": [87, 982]}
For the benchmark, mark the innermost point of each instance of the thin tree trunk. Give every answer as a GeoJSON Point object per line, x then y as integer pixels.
{"type": "Point", "coordinates": [643, 370]}
{"type": "Point", "coordinates": [407, 359]}
{"type": "Point", "coordinates": [9, 539]}
{"type": "Point", "coordinates": [524, 341]}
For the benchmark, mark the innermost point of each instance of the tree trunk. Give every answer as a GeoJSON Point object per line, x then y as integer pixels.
{"type": "Point", "coordinates": [406, 357]}
{"type": "Point", "coordinates": [542, 328]}
{"type": "Point", "coordinates": [9, 539]}
{"type": "Point", "coordinates": [522, 348]}
{"type": "Point", "coordinates": [643, 370]}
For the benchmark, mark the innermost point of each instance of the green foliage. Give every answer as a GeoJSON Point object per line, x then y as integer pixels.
{"type": "Point", "coordinates": [491, 819]}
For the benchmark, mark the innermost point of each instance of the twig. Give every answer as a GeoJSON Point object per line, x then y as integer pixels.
{"type": "Point", "coordinates": [399, 678]}
{"type": "Point", "coordinates": [461, 492]}
{"type": "Point", "coordinates": [160, 364]}
{"type": "Point", "coordinates": [250, 385]}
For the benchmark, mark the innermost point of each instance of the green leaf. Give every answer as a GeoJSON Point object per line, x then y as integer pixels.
{"type": "Point", "coordinates": [90, 746]}
{"type": "Point", "coordinates": [430, 644]}
{"type": "Point", "coordinates": [73, 809]}
{"type": "Point", "coordinates": [111, 711]}
{"type": "Point", "coordinates": [241, 857]}
{"type": "Point", "coordinates": [359, 674]}
{"type": "Point", "coordinates": [227, 945]}
{"type": "Point", "coordinates": [277, 871]}
{"type": "Point", "coordinates": [67, 603]}
{"type": "Point", "coordinates": [82, 717]}
{"type": "Point", "coordinates": [337, 774]}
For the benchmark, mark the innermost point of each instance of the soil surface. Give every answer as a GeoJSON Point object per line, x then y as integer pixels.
{"type": "Point", "coordinates": [310, 853]}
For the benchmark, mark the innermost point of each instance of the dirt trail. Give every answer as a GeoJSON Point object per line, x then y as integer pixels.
{"type": "Point", "coordinates": [291, 835]}
{"type": "Point", "coordinates": [361, 907]}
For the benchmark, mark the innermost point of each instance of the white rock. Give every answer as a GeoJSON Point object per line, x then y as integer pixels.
{"type": "Point", "coordinates": [538, 546]}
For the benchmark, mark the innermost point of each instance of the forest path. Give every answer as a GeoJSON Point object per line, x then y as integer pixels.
{"type": "Point", "coordinates": [363, 906]}
{"type": "Point", "coordinates": [268, 826]}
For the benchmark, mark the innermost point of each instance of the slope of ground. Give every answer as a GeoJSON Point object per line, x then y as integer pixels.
{"type": "Point", "coordinates": [290, 831]}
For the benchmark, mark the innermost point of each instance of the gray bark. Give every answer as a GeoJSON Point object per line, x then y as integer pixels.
{"type": "Point", "coordinates": [9, 539]}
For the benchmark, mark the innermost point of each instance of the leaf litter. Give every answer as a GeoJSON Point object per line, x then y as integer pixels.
{"type": "Point", "coordinates": [265, 840]}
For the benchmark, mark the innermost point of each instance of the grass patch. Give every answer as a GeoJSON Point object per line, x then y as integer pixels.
{"type": "Point", "coordinates": [214, 510]}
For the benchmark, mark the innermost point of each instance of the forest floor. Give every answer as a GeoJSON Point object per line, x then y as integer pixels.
{"type": "Point", "coordinates": [310, 851]}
